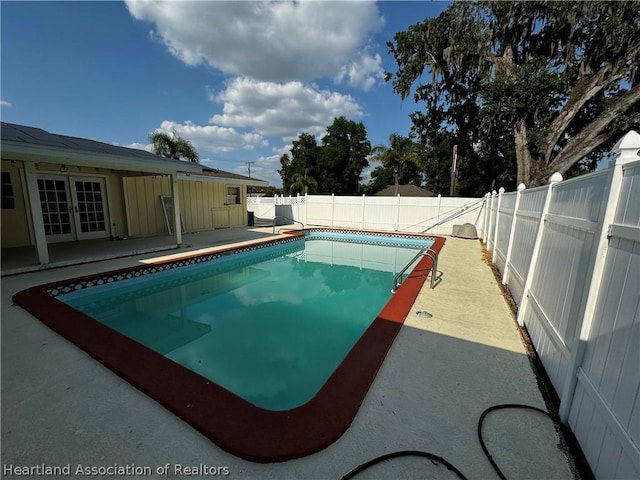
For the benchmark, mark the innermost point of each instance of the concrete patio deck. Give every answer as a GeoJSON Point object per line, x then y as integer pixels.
{"type": "Point", "coordinates": [60, 407]}
{"type": "Point", "coordinates": [24, 259]}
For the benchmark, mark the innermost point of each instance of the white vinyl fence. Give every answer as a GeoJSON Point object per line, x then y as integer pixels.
{"type": "Point", "coordinates": [570, 255]}
{"type": "Point", "coordinates": [404, 214]}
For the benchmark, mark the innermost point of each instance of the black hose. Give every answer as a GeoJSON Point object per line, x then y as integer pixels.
{"type": "Point", "coordinates": [404, 453]}
{"type": "Point", "coordinates": [503, 407]}
{"type": "Point", "coordinates": [438, 459]}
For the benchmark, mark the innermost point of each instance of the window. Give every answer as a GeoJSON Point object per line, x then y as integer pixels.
{"type": "Point", "coordinates": [8, 202]}
{"type": "Point", "coordinates": [233, 195]}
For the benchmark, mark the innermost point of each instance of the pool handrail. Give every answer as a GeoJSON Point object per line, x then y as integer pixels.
{"type": "Point", "coordinates": [286, 218]}
{"type": "Point", "coordinates": [427, 252]}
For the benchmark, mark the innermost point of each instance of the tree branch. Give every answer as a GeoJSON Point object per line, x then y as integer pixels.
{"type": "Point", "coordinates": [584, 90]}
{"type": "Point", "coordinates": [593, 134]}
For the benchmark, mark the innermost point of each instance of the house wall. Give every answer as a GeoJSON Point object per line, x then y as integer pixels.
{"type": "Point", "coordinates": [15, 228]}
{"type": "Point", "coordinates": [202, 205]}
{"type": "Point", "coordinates": [115, 193]}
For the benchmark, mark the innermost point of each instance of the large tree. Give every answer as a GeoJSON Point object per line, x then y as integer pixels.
{"type": "Point", "coordinates": [334, 166]}
{"type": "Point", "coordinates": [303, 161]}
{"type": "Point", "coordinates": [558, 79]}
{"type": "Point", "coordinates": [343, 156]}
{"type": "Point", "coordinates": [172, 145]}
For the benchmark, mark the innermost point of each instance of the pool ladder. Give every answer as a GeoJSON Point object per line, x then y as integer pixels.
{"type": "Point", "coordinates": [428, 252]}
{"type": "Point", "coordinates": [275, 220]}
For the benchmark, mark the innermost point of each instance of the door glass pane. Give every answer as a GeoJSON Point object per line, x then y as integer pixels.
{"type": "Point", "coordinates": [53, 199]}
{"type": "Point", "coordinates": [90, 206]}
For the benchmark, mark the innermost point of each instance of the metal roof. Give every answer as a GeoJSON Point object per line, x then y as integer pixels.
{"type": "Point", "coordinates": [37, 136]}
{"type": "Point", "coordinates": [32, 136]}
{"type": "Point", "coordinates": [215, 172]}
{"type": "Point", "coordinates": [16, 135]}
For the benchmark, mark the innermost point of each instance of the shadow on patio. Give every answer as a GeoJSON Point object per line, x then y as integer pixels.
{"type": "Point", "coordinates": [24, 259]}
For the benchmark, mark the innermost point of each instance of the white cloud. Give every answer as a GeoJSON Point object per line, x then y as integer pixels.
{"type": "Point", "coordinates": [214, 138]}
{"type": "Point", "coordinates": [252, 110]}
{"type": "Point", "coordinates": [365, 176]}
{"type": "Point", "coordinates": [364, 72]}
{"type": "Point", "coordinates": [283, 110]}
{"type": "Point", "coordinates": [4, 103]}
{"type": "Point", "coordinates": [138, 146]}
{"type": "Point", "coordinates": [270, 41]}
{"type": "Point", "coordinates": [282, 150]}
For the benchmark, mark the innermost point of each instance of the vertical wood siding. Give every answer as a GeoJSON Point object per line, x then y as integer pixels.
{"type": "Point", "coordinates": [199, 202]}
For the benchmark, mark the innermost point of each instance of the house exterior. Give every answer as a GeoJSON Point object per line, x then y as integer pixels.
{"type": "Point", "coordinates": [57, 188]}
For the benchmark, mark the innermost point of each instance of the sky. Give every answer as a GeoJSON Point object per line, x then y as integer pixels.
{"type": "Point", "coordinates": [240, 79]}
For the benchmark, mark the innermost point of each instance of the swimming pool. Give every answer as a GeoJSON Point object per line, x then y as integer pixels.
{"type": "Point", "coordinates": [278, 339]}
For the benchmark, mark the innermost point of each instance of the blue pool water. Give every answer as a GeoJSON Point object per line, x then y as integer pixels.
{"type": "Point", "coordinates": [270, 325]}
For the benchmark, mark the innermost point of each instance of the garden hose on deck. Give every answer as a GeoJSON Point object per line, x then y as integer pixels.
{"type": "Point", "coordinates": [435, 458]}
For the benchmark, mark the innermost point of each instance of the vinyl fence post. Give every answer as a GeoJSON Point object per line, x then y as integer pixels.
{"type": "Point", "coordinates": [485, 218]}
{"type": "Point", "coordinates": [555, 178]}
{"type": "Point", "coordinates": [489, 237]}
{"type": "Point", "coordinates": [397, 212]}
{"type": "Point", "coordinates": [626, 151]}
{"type": "Point", "coordinates": [306, 209]}
{"type": "Point", "coordinates": [512, 234]}
{"type": "Point", "coordinates": [438, 217]}
{"type": "Point", "coordinates": [363, 205]}
{"type": "Point", "coordinates": [333, 205]}
{"type": "Point", "coordinates": [495, 231]}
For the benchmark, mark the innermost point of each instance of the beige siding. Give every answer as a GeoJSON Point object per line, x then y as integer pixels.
{"type": "Point", "coordinates": [202, 205]}
{"type": "Point", "coordinates": [146, 216]}
{"type": "Point", "coordinates": [15, 229]}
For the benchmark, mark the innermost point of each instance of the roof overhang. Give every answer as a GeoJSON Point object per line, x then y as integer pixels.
{"type": "Point", "coordinates": [49, 154]}
{"type": "Point", "coordinates": [225, 180]}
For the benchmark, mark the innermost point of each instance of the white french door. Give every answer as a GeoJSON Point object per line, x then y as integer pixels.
{"type": "Point", "coordinates": [90, 207]}
{"type": "Point", "coordinates": [73, 208]}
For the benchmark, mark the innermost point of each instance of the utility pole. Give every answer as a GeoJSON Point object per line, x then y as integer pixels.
{"type": "Point", "coordinates": [249, 169]}
{"type": "Point", "coordinates": [454, 171]}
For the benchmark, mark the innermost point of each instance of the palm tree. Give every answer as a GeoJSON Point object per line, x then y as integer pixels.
{"type": "Point", "coordinates": [303, 183]}
{"type": "Point", "coordinates": [173, 146]}
{"type": "Point", "coordinates": [401, 150]}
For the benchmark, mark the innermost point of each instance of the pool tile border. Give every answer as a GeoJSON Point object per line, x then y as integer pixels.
{"type": "Point", "coordinates": [69, 286]}
{"type": "Point", "coordinates": [232, 423]}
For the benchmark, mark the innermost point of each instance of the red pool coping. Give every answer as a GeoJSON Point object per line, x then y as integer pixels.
{"type": "Point", "coordinates": [232, 423]}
